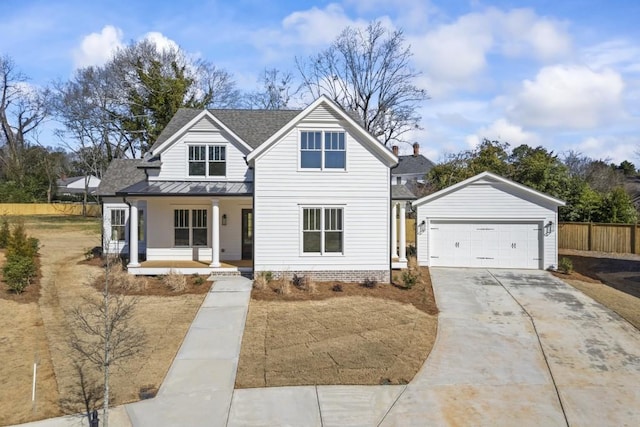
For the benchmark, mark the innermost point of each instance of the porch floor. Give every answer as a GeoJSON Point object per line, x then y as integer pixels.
{"type": "Point", "coordinates": [154, 268]}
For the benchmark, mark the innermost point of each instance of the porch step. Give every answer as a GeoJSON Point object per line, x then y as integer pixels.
{"type": "Point", "coordinates": [217, 274]}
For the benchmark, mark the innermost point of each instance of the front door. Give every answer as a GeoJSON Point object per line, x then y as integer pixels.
{"type": "Point", "coordinates": [247, 234]}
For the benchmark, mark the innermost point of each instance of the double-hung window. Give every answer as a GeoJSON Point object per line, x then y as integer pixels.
{"type": "Point", "coordinates": [322, 230]}
{"type": "Point", "coordinates": [190, 227]}
{"type": "Point", "coordinates": [118, 224]}
{"type": "Point", "coordinates": [322, 150]}
{"type": "Point", "coordinates": [207, 160]}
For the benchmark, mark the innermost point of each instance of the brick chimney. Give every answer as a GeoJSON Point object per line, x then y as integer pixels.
{"type": "Point", "coordinates": [416, 149]}
{"type": "Point", "coordinates": [395, 150]}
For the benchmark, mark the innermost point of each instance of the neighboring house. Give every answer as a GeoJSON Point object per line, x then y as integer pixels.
{"type": "Point", "coordinates": [76, 185]}
{"type": "Point", "coordinates": [411, 169]}
{"type": "Point", "coordinates": [290, 192]}
{"type": "Point", "coordinates": [488, 221]}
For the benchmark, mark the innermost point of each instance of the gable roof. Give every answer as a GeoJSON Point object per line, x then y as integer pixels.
{"type": "Point", "coordinates": [401, 192]}
{"type": "Point", "coordinates": [252, 127]}
{"type": "Point", "coordinates": [488, 176]}
{"type": "Point", "coordinates": [412, 165]}
{"type": "Point", "coordinates": [121, 173]}
{"type": "Point", "coordinates": [373, 143]}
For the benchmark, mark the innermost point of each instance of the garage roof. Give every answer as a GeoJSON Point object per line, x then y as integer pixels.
{"type": "Point", "coordinates": [488, 176]}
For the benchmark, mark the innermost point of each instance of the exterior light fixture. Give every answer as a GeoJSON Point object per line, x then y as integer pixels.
{"type": "Point", "coordinates": [548, 228]}
{"type": "Point", "coordinates": [224, 219]}
{"type": "Point", "coordinates": [422, 227]}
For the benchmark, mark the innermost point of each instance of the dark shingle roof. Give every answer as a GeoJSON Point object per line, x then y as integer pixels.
{"type": "Point", "coordinates": [401, 192]}
{"type": "Point", "coordinates": [253, 126]}
{"type": "Point", "coordinates": [121, 173]}
{"type": "Point", "coordinates": [412, 164]}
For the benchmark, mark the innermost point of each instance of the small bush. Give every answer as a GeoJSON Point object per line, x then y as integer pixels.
{"type": "Point", "coordinates": [337, 287]}
{"type": "Point", "coordinates": [5, 233]}
{"type": "Point", "coordinates": [298, 281]}
{"type": "Point", "coordinates": [18, 272]}
{"type": "Point", "coordinates": [565, 265]}
{"type": "Point", "coordinates": [412, 263]}
{"type": "Point", "coordinates": [21, 245]}
{"type": "Point", "coordinates": [409, 279]}
{"type": "Point", "coordinates": [88, 254]}
{"type": "Point", "coordinates": [259, 281]}
{"type": "Point", "coordinates": [198, 280]}
{"type": "Point", "coordinates": [268, 276]}
{"type": "Point", "coordinates": [174, 281]}
{"type": "Point", "coordinates": [370, 283]}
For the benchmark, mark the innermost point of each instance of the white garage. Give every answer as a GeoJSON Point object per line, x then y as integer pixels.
{"type": "Point", "coordinates": [487, 221]}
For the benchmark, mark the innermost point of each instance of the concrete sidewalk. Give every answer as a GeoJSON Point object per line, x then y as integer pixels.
{"type": "Point", "coordinates": [198, 387]}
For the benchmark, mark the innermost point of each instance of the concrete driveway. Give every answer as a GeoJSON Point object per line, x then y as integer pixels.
{"type": "Point", "coordinates": [522, 347]}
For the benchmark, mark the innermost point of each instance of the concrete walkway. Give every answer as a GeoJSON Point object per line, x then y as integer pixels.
{"type": "Point", "coordinates": [513, 347]}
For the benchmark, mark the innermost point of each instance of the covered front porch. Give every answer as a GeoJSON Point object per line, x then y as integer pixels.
{"type": "Point", "coordinates": [196, 232]}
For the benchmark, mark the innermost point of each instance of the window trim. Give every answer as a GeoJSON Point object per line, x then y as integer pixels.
{"type": "Point", "coordinates": [207, 146]}
{"type": "Point", "coordinates": [322, 150]}
{"type": "Point", "coordinates": [190, 228]}
{"type": "Point", "coordinates": [323, 208]}
{"type": "Point", "coordinates": [123, 225]}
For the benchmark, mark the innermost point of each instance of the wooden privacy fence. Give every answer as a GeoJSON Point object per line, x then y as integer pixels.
{"type": "Point", "coordinates": [620, 238]}
{"type": "Point", "coordinates": [48, 209]}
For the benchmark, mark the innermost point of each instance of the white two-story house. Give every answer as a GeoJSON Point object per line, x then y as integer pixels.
{"type": "Point", "coordinates": [221, 191]}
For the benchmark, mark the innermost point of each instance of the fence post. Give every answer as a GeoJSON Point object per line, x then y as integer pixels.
{"type": "Point", "coordinates": [633, 237]}
{"type": "Point", "coordinates": [590, 244]}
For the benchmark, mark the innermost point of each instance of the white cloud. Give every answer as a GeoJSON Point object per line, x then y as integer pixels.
{"type": "Point", "coordinates": [566, 96]}
{"type": "Point", "coordinates": [454, 55]}
{"type": "Point", "coordinates": [619, 54]}
{"type": "Point", "coordinates": [610, 148]}
{"type": "Point", "coordinates": [504, 131]}
{"type": "Point", "coordinates": [162, 42]}
{"type": "Point", "coordinates": [317, 27]}
{"type": "Point", "coordinates": [97, 48]}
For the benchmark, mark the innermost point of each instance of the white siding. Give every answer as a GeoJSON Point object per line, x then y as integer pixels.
{"type": "Point", "coordinates": [174, 158]}
{"type": "Point", "coordinates": [489, 201]}
{"type": "Point", "coordinates": [160, 240]}
{"type": "Point", "coordinates": [281, 188]}
{"type": "Point", "coordinates": [120, 247]}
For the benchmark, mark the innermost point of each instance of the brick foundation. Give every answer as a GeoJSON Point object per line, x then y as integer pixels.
{"type": "Point", "coordinates": [356, 276]}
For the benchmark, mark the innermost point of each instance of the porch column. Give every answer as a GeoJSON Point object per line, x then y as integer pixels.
{"type": "Point", "coordinates": [394, 234]}
{"type": "Point", "coordinates": [215, 233]}
{"type": "Point", "coordinates": [133, 235]}
{"type": "Point", "coordinates": [403, 232]}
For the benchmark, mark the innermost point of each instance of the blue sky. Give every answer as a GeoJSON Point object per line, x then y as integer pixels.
{"type": "Point", "coordinates": [562, 74]}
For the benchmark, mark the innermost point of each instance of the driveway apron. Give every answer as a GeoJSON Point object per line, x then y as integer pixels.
{"type": "Point", "coordinates": [486, 367]}
{"type": "Point", "coordinates": [593, 354]}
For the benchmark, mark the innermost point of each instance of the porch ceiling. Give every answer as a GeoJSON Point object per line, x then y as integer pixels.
{"type": "Point", "coordinates": [181, 188]}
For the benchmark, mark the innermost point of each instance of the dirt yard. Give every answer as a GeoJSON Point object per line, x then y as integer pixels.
{"type": "Point", "coordinates": [360, 335]}
{"type": "Point", "coordinates": [611, 279]}
{"type": "Point", "coordinates": [40, 330]}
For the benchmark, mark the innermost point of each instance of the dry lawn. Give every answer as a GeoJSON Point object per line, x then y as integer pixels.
{"type": "Point", "coordinates": [66, 278]}
{"type": "Point", "coordinates": [358, 336]}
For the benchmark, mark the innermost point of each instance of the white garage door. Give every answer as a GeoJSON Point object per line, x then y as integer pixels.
{"type": "Point", "coordinates": [485, 244]}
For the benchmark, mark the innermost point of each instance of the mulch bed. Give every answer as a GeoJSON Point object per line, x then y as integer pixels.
{"type": "Point", "coordinates": [420, 295]}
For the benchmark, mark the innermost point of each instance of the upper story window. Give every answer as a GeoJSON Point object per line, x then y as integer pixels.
{"type": "Point", "coordinates": [207, 160]}
{"type": "Point", "coordinates": [322, 150]}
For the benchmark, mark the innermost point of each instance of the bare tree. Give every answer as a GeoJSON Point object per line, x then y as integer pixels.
{"type": "Point", "coordinates": [103, 336]}
{"type": "Point", "coordinates": [275, 93]}
{"type": "Point", "coordinates": [368, 72]}
{"type": "Point", "coordinates": [22, 109]}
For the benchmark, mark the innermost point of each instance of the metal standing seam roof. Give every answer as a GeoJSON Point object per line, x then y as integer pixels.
{"type": "Point", "coordinates": [186, 188]}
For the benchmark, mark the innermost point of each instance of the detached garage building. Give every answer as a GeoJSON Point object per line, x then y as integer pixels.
{"type": "Point", "coordinates": [487, 221]}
